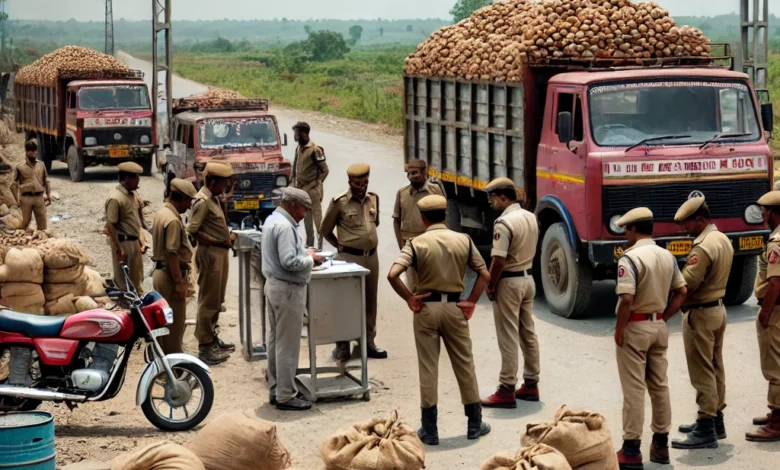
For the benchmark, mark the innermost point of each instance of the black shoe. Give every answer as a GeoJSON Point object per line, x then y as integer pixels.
{"type": "Point", "coordinates": [272, 399]}
{"type": "Point", "coordinates": [429, 432]}
{"type": "Point", "coordinates": [341, 352]}
{"type": "Point", "coordinates": [295, 404]}
{"type": "Point", "coordinates": [720, 427]}
{"type": "Point", "coordinates": [659, 449]}
{"type": "Point", "coordinates": [230, 347]}
{"type": "Point", "coordinates": [211, 354]}
{"type": "Point", "coordinates": [476, 428]}
{"type": "Point", "coordinates": [702, 437]}
{"type": "Point", "coordinates": [376, 353]}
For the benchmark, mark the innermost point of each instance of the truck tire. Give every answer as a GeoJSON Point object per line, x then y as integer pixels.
{"type": "Point", "coordinates": [566, 283]}
{"type": "Point", "coordinates": [147, 163]}
{"type": "Point", "coordinates": [741, 280]}
{"type": "Point", "coordinates": [76, 166]}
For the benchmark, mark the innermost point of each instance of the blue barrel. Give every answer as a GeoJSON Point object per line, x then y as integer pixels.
{"type": "Point", "coordinates": [27, 441]}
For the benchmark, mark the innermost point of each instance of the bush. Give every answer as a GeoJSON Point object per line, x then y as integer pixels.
{"type": "Point", "coordinates": [327, 45]}
{"type": "Point", "coordinates": [219, 44]}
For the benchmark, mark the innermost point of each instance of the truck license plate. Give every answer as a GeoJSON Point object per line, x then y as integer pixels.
{"type": "Point", "coordinates": [118, 153]}
{"type": "Point", "coordinates": [680, 247]}
{"type": "Point", "coordinates": [751, 243]}
{"type": "Point", "coordinates": [247, 205]}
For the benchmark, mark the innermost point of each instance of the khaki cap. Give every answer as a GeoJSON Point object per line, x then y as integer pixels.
{"type": "Point", "coordinates": [296, 195]}
{"type": "Point", "coordinates": [635, 215]}
{"type": "Point", "coordinates": [772, 198]}
{"type": "Point", "coordinates": [131, 167]}
{"type": "Point", "coordinates": [184, 187]}
{"type": "Point", "coordinates": [688, 208]}
{"type": "Point", "coordinates": [302, 126]}
{"type": "Point", "coordinates": [220, 170]}
{"type": "Point", "coordinates": [432, 203]}
{"type": "Point", "coordinates": [500, 183]}
{"type": "Point", "coordinates": [359, 169]}
{"type": "Point", "coordinates": [415, 165]}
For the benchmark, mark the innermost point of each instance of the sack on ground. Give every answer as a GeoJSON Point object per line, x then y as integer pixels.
{"type": "Point", "coordinates": [538, 457]}
{"type": "Point", "coordinates": [235, 441]}
{"type": "Point", "coordinates": [64, 276]}
{"type": "Point", "coordinates": [582, 436]}
{"type": "Point", "coordinates": [19, 289]}
{"type": "Point", "coordinates": [160, 456]}
{"type": "Point", "coordinates": [84, 304]}
{"type": "Point", "coordinates": [56, 291]}
{"type": "Point", "coordinates": [95, 284]}
{"type": "Point", "coordinates": [25, 303]}
{"type": "Point", "coordinates": [4, 211]}
{"type": "Point", "coordinates": [22, 265]}
{"type": "Point", "coordinates": [61, 253]}
{"type": "Point", "coordinates": [62, 306]}
{"type": "Point", "coordinates": [7, 197]}
{"type": "Point", "coordinates": [386, 444]}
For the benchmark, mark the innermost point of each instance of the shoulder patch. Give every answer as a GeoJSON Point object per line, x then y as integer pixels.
{"type": "Point", "coordinates": [773, 257]}
{"type": "Point", "coordinates": [621, 272]}
{"type": "Point", "coordinates": [319, 155]}
{"type": "Point", "coordinates": [497, 236]}
{"type": "Point", "coordinates": [693, 260]}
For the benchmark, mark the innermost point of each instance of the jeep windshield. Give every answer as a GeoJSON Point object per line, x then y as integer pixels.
{"type": "Point", "coordinates": [693, 112]}
{"type": "Point", "coordinates": [226, 134]}
{"type": "Point", "coordinates": [113, 98]}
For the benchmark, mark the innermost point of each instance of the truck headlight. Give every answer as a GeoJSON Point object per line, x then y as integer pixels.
{"type": "Point", "coordinates": [145, 140]}
{"type": "Point", "coordinates": [281, 181]}
{"type": "Point", "coordinates": [753, 215]}
{"type": "Point", "coordinates": [613, 225]}
{"type": "Point", "coordinates": [90, 141]}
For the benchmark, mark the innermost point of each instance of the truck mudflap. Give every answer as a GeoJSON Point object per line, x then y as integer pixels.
{"type": "Point", "coordinates": [744, 243]}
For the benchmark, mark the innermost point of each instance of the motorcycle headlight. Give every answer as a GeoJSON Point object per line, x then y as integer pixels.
{"type": "Point", "coordinates": [281, 181]}
{"type": "Point", "coordinates": [90, 142]}
{"type": "Point", "coordinates": [613, 225]}
{"type": "Point", "coordinates": [753, 215]}
{"type": "Point", "coordinates": [145, 140]}
{"type": "Point", "coordinates": [245, 184]}
{"type": "Point", "coordinates": [168, 312]}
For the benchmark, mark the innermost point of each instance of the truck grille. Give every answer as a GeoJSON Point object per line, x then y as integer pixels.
{"type": "Point", "coordinates": [726, 199]}
{"type": "Point", "coordinates": [130, 136]}
{"type": "Point", "coordinates": [260, 184]}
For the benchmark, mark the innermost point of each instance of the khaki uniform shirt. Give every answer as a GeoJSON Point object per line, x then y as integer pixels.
{"type": "Point", "coordinates": [309, 167]}
{"type": "Point", "coordinates": [31, 178]}
{"type": "Point", "coordinates": [406, 208]}
{"type": "Point", "coordinates": [708, 268]}
{"type": "Point", "coordinates": [768, 264]}
{"type": "Point", "coordinates": [169, 235]}
{"type": "Point", "coordinates": [207, 217]}
{"type": "Point", "coordinates": [122, 212]}
{"type": "Point", "coordinates": [516, 233]}
{"type": "Point", "coordinates": [355, 219]}
{"type": "Point", "coordinates": [655, 276]}
{"type": "Point", "coordinates": [440, 257]}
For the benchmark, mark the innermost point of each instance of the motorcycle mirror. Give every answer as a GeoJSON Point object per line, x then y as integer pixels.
{"type": "Point", "coordinates": [130, 286]}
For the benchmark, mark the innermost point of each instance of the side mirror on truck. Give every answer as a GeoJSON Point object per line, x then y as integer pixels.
{"type": "Point", "coordinates": [767, 117]}
{"type": "Point", "coordinates": [564, 127]}
{"type": "Point", "coordinates": [284, 142]}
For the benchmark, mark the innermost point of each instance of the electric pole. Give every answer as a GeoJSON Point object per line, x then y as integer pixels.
{"type": "Point", "coordinates": [161, 22]}
{"type": "Point", "coordinates": [754, 25]}
{"type": "Point", "coordinates": [109, 28]}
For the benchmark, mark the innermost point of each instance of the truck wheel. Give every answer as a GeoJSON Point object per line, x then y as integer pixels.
{"type": "Point", "coordinates": [75, 164]}
{"type": "Point", "coordinates": [566, 283]}
{"type": "Point", "coordinates": [147, 163]}
{"type": "Point", "coordinates": [741, 280]}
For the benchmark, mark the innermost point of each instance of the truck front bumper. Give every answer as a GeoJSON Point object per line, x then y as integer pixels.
{"type": "Point", "coordinates": [118, 154]}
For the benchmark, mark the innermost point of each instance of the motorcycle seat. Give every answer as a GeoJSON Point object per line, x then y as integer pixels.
{"type": "Point", "coordinates": [31, 326]}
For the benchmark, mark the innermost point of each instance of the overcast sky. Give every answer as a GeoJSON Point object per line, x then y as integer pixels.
{"type": "Point", "coordinates": [297, 9]}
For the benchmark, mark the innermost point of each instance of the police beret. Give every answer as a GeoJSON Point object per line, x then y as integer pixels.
{"type": "Point", "coordinates": [772, 198]}
{"type": "Point", "coordinates": [130, 167]}
{"type": "Point", "coordinates": [221, 170]}
{"type": "Point", "coordinates": [302, 126]}
{"type": "Point", "coordinates": [415, 164]}
{"type": "Point", "coordinates": [296, 195]}
{"type": "Point", "coordinates": [639, 214]}
{"type": "Point", "coordinates": [500, 183]}
{"type": "Point", "coordinates": [432, 203]}
{"type": "Point", "coordinates": [359, 169]}
{"type": "Point", "coordinates": [183, 186]}
{"type": "Point", "coordinates": [688, 208]}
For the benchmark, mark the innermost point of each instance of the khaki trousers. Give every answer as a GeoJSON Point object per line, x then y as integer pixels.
{"type": "Point", "coordinates": [444, 321]}
{"type": "Point", "coordinates": [372, 283]}
{"type": "Point", "coordinates": [513, 315]}
{"type": "Point", "coordinates": [769, 349]}
{"type": "Point", "coordinates": [703, 332]}
{"type": "Point", "coordinates": [285, 305]}
{"type": "Point", "coordinates": [213, 269]}
{"type": "Point", "coordinates": [36, 205]}
{"type": "Point", "coordinates": [134, 260]}
{"type": "Point", "coordinates": [164, 284]}
{"type": "Point", "coordinates": [642, 365]}
{"type": "Point", "coordinates": [313, 218]}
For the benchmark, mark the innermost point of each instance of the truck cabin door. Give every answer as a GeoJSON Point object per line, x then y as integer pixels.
{"type": "Point", "coordinates": [565, 174]}
{"type": "Point", "coordinates": [71, 104]}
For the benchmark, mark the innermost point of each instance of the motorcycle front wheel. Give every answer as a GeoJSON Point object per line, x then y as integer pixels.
{"type": "Point", "coordinates": [186, 411]}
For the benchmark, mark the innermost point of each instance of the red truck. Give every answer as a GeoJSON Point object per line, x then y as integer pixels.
{"type": "Point", "coordinates": [586, 144]}
{"type": "Point", "coordinates": [91, 120]}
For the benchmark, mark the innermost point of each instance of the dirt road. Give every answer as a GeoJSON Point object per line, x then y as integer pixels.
{"type": "Point", "coordinates": [578, 357]}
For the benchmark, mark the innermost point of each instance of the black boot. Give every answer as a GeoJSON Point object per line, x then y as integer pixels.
{"type": "Point", "coordinates": [720, 427]}
{"type": "Point", "coordinates": [630, 455]}
{"type": "Point", "coordinates": [429, 432]}
{"type": "Point", "coordinates": [659, 448]}
{"type": "Point", "coordinates": [476, 427]}
{"type": "Point", "coordinates": [702, 437]}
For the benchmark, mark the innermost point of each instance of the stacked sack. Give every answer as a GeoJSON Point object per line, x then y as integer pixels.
{"type": "Point", "coordinates": [538, 457]}
{"type": "Point", "coordinates": [69, 285]}
{"type": "Point", "coordinates": [21, 276]}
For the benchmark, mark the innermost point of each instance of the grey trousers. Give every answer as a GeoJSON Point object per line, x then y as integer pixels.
{"type": "Point", "coordinates": [285, 305]}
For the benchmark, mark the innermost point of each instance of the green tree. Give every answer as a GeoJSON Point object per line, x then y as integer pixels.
{"type": "Point", "coordinates": [327, 45]}
{"type": "Point", "coordinates": [307, 28]}
{"type": "Point", "coordinates": [464, 8]}
{"type": "Point", "coordinates": [355, 33]}
{"type": "Point", "coordinates": [409, 28]}
{"type": "Point", "coordinates": [381, 31]}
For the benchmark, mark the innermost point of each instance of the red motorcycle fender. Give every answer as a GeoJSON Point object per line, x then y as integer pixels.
{"type": "Point", "coordinates": [154, 368]}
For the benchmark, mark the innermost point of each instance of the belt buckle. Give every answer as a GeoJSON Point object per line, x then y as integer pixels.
{"type": "Point", "coordinates": [366, 253]}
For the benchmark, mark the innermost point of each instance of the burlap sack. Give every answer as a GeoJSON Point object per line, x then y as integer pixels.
{"type": "Point", "coordinates": [386, 444]}
{"type": "Point", "coordinates": [538, 457]}
{"type": "Point", "coordinates": [95, 284]}
{"type": "Point", "coordinates": [61, 253]}
{"type": "Point", "coordinates": [582, 436]}
{"type": "Point", "coordinates": [56, 291]}
{"type": "Point", "coordinates": [235, 441]}
{"type": "Point", "coordinates": [25, 304]}
{"type": "Point", "coordinates": [7, 197]}
{"type": "Point", "coordinates": [62, 306]}
{"type": "Point", "coordinates": [4, 211]}
{"type": "Point", "coordinates": [84, 304]}
{"type": "Point", "coordinates": [19, 289]}
{"type": "Point", "coordinates": [22, 265]}
{"type": "Point", "coordinates": [102, 301]}
{"type": "Point", "coordinates": [160, 456]}
{"type": "Point", "coordinates": [63, 276]}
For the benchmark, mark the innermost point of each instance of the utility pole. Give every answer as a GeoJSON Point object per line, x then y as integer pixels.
{"type": "Point", "coordinates": [754, 25]}
{"type": "Point", "coordinates": [161, 22]}
{"type": "Point", "coordinates": [109, 28]}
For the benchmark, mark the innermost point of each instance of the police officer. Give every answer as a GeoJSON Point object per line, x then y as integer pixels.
{"type": "Point", "coordinates": [32, 188]}
{"type": "Point", "coordinates": [768, 322]}
{"type": "Point", "coordinates": [208, 226]}
{"type": "Point", "coordinates": [647, 274]}
{"type": "Point", "coordinates": [310, 170]}
{"type": "Point", "coordinates": [440, 257]}
{"type": "Point", "coordinates": [355, 213]}
{"type": "Point", "coordinates": [173, 257]}
{"type": "Point", "coordinates": [124, 227]}
{"type": "Point", "coordinates": [704, 322]}
{"type": "Point", "coordinates": [407, 220]}
{"type": "Point", "coordinates": [512, 290]}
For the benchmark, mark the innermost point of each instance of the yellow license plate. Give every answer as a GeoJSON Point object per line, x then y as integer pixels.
{"type": "Point", "coordinates": [118, 153]}
{"type": "Point", "coordinates": [247, 205]}
{"type": "Point", "coordinates": [751, 243]}
{"type": "Point", "coordinates": [680, 247]}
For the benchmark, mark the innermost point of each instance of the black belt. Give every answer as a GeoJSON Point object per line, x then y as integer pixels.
{"type": "Point", "coordinates": [32, 194]}
{"type": "Point", "coordinates": [441, 296]}
{"type": "Point", "coordinates": [356, 252]}
{"type": "Point", "coordinates": [511, 274]}
{"type": "Point", "coordinates": [163, 265]}
{"type": "Point", "coordinates": [714, 303]}
{"type": "Point", "coordinates": [126, 238]}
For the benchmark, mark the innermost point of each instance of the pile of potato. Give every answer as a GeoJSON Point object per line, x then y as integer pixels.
{"type": "Point", "coordinates": [495, 42]}
{"type": "Point", "coordinates": [213, 98]}
{"type": "Point", "coordinates": [71, 62]}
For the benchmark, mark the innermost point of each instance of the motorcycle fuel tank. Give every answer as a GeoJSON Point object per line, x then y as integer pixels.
{"type": "Point", "coordinates": [99, 325]}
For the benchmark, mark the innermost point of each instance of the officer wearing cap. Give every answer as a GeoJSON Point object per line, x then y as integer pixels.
{"type": "Point", "coordinates": [768, 322]}
{"type": "Point", "coordinates": [208, 226]}
{"type": "Point", "coordinates": [407, 221]}
{"type": "Point", "coordinates": [31, 188]}
{"type": "Point", "coordinates": [123, 226]}
{"type": "Point", "coordinates": [440, 257]}
{"type": "Point", "coordinates": [309, 173]}
{"type": "Point", "coordinates": [355, 213]}
{"type": "Point", "coordinates": [704, 322]}
{"type": "Point", "coordinates": [512, 290]}
{"type": "Point", "coordinates": [647, 274]}
{"type": "Point", "coordinates": [173, 258]}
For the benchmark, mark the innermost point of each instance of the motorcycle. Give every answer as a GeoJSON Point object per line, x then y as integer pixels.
{"type": "Point", "coordinates": [83, 358]}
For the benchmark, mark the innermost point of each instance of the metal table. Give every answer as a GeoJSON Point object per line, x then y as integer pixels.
{"type": "Point", "coordinates": [250, 281]}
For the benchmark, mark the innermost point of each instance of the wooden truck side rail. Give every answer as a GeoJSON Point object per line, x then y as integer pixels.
{"type": "Point", "coordinates": [38, 109]}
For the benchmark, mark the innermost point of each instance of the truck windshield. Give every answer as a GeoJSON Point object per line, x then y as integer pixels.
{"type": "Point", "coordinates": [625, 114]}
{"type": "Point", "coordinates": [113, 97]}
{"type": "Point", "coordinates": [237, 133]}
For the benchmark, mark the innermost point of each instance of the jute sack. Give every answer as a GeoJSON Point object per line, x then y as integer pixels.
{"type": "Point", "coordinates": [235, 441]}
{"type": "Point", "coordinates": [538, 457]}
{"type": "Point", "coordinates": [84, 304]}
{"type": "Point", "coordinates": [160, 456]}
{"type": "Point", "coordinates": [32, 303]}
{"type": "Point", "coordinates": [4, 211]}
{"type": "Point", "coordinates": [22, 265]}
{"type": "Point", "coordinates": [61, 253]}
{"type": "Point", "coordinates": [582, 436]}
{"type": "Point", "coordinates": [7, 197]}
{"type": "Point", "coordinates": [19, 289]}
{"type": "Point", "coordinates": [386, 444]}
{"type": "Point", "coordinates": [95, 284]}
{"type": "Point", "coordinates": [63, 276]}
{"type": "Point", "coordinates": [56, 291]}
{"type": "Point", "coordinates": [62, 306]}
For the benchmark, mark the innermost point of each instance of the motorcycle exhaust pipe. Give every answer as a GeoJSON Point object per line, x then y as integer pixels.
{"type": "Point", "coordinates": [37, 394]}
